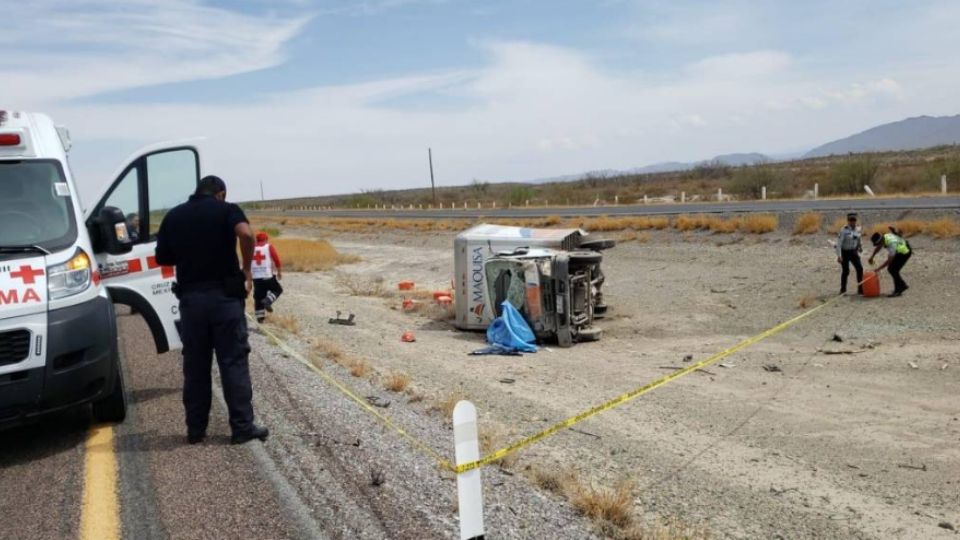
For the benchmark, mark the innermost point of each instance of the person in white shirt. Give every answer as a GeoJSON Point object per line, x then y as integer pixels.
{"type": "Point", "coordinates": [849, 247]}
{"type": "Point", "coordinates": [267, 272]}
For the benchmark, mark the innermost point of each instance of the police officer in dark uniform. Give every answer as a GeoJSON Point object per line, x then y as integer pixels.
{"type": "Point", "coordinates": [199, 237]}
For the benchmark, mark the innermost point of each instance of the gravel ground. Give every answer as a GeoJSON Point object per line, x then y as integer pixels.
{"type": "Point", "coordinates": [854, 445]}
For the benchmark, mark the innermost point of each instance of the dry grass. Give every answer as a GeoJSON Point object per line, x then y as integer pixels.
{"type": "Point", "coordinates": [604, 505]}
{"type": "Point", "coordinates": [329, 350]}
{"type": "Point", "coordinates": [691, 223]}
{"type": "Point", "coordinates": [834, 228]}
{"type": "Point", "coordinates": [808, 301]}
{"type": "Point", "coordinates": [909, 227]}
{"type": "Point", "coordinates": [493, 438]}
{"type": "Point", "coordinates": [760, 223]}
{"type": "Point", "coordinates": [360, 368]}
{"type": "Point", "coordinates": [414, 396]}
{"type": "Point", "coordinates": [670, 529]}
{"type": "Point", "coordinates": [724, 226]}
{"type": "Point", "coordinates": [943, 228]}
{"type": "Point", "coordinates": [288, 323]}
{"type": "Point", "coordinates": [446, 404]}
{"type": "Point", "coordinates": [397, 382]}
{"type": "Point", "coordinates": [301, 255]}
{"type": "Point", "coordinates": [362, 286]}
{"type": "Point", "coordinates": [808, 223]}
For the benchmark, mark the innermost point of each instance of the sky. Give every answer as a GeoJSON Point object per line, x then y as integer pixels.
{"type": "Point", "coordinates": [314, 97]}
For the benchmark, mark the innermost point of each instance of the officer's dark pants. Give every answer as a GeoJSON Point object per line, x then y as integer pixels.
{"type": "Point", "coordinates": [899, 285]}
{"type": "Point", "coordinates": [212, 321]}
{"type": "Point", "coordinates": [848, 257]}
{"type": "Point", "coordinates": [260, 289]}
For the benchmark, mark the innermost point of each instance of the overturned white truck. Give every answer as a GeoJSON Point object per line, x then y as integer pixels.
{"type": "Point", "coordinates": [552, 276]}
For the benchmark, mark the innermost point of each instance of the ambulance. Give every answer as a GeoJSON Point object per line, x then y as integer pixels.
{"type": "Point", "coordinates": [64, 264]}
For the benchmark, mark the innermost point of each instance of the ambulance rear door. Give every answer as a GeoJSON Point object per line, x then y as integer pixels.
{"type": "Point", "coordinates": [124, 224]}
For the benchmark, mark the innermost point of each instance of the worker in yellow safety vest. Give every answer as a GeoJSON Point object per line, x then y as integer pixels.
{"type": "Point", "coordinates": [898, 253]}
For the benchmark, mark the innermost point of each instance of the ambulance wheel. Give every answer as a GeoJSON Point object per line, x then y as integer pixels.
{"type": "Point", "coordinates": [579, 259]}
{"type": "Point", "coordinates": [589, 334]}
{"type": "Point", "coordinates": [599, 311]}
{"type": "Point", "coordinates": [113, 408]}
{"type": "Point", "coordinates": [599, 244]}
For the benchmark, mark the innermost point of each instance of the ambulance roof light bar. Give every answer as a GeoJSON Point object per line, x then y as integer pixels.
{"type": "Point", "coordinates": [10, 139]}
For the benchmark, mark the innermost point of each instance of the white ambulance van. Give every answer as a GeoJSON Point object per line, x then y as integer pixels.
{"type": "Point", "coordinates": [63, 266]}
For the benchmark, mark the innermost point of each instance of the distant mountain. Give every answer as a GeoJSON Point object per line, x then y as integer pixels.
{"type": "Point", "coordinates": [733, 160]}
{"type": "Point", "coordinates": [909, 134]}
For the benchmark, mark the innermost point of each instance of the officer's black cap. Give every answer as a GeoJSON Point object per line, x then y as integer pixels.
{"type": "Point", "coordinates": [211, 185]}
{"type": "Point", "coordinates": [852, 215]}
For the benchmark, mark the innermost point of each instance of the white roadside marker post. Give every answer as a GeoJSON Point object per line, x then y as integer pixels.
{"type": "Point", "coordinates": [763, 193]}
{"type": "Point", "coordinates": [943, 184]}
{"type": "Point", "coordinates": [469, 489]}
{"type": "Point", "coordinates": [683, 196]}
{"type": "Point", "coordinates": [816, 191]}
{"type": "Point", "coordinates": [869, 191]}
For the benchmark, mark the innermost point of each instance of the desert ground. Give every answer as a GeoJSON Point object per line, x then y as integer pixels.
{"type": "Point", "coordinates": [845, 425]}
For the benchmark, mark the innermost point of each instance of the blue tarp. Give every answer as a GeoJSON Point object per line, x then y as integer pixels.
{"type": "Point", "coordinates": [511, 331]}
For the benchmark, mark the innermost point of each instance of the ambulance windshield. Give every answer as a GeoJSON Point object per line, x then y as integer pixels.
{"type": "Point", "coordinates": [35, 206]}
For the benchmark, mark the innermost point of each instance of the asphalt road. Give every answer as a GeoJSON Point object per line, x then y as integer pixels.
{"type": "Point", "coordinates": [165, 488]}
{"type": "Point", "coordinates": [776, 206]}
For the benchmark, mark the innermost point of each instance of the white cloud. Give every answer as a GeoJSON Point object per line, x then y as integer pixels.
{"type": "Point", "coordinates": [88, 47]}
{"type": "Point", "coordinates": [741, 65]}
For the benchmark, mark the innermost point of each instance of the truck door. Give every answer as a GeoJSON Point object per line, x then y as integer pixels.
{"type": "Point", "coordinates": [152, 183]}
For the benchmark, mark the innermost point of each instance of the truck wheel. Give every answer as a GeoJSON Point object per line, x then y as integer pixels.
{"type": "Point", "coordinates": [599, 244]}
{"type": "Point", "coordinates": [579, 259]}
{"type": "Point", "coordinates": [589, 334]}
{"type": "Point", "coordinates": [113, 408]}
{"type": "Point", "coordinates": [599, 311]}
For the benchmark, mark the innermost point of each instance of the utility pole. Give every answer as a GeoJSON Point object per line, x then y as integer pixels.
{"type": "Point", "coordinates": [433, 186]}
{"type": "Point", "coordinates": [261, 190]}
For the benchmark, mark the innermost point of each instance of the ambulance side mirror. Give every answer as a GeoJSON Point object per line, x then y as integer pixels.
{"type": "Point", "coordinates": [110, 233]}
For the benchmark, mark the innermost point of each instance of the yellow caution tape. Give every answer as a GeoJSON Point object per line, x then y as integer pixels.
{"type": "Point", "coordinates": [423, 447]}
{"type": "Point", "coordinates": [620, 400]}
{"type": "Point", "coordinates": [559, 426]}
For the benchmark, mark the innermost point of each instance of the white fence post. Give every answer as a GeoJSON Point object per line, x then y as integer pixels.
{"type": "Point", "coordinates": [816, 190]}
{"type": "Point", "coordinates": [869, 191]}
{"type": "Point", "coordinates": [683, 196]}
{"type": "Point", "coordinates": [763, 193]}
{"type": "Point", "coordinates": [719, 194]}
{"type": "Point", "coordinates": [469, 488]}
{"type": "Point", "coordinates": [616, 200]}
{"type": "Point", "coordinates": [644, 198]}
{"type": "Point", "coordinates": [943, 184]}
{"type": "Point", "coordinates": [527, 202]}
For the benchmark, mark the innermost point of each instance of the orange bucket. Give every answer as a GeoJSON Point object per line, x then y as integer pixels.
{"type": "Point", "coordinates": [405, 285]}
{"type": "Point", "coordinates": [871, 285]}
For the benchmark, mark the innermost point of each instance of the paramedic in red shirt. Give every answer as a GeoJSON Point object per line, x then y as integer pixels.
{"type": "Point", "coordinates": [267, 273]}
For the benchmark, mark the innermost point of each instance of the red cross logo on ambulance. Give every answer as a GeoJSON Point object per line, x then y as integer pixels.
{"type": "Point", "coordinates": [20, 285]}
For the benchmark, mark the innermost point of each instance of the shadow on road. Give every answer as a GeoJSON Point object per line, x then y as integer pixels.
{"type": "Point", "coordinates": [49, 436]}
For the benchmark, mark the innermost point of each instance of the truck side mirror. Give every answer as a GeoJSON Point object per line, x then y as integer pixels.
{"type": "Point", "coordinates": [110, 232]}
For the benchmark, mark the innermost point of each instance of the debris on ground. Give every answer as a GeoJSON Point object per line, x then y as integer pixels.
{"type": "Point", "coordinates": [946, 525]}
{"type": "Point", "coordinates": [377, 477]}
{"type": "Point", "coordinates": [772, 368]}
{"type": "Point", "coordinates": [349, 321]}
{"type": "Point", "coordinates": [688, 358]}
{"type": "Point", "coordinates": [376, 401]}
{"type": "Point", "coordinates": [842, 351]}
{"type": "Point", "coordinates": [913, 365]}
{"type": "Point", "coordinates": [507, 380]}
{"type": "Point", "coordinates": [922, 467]}
{"type": "Point", "coordinates": [408, 337]}
{"type": "Point", "coordinates": [496, 349]}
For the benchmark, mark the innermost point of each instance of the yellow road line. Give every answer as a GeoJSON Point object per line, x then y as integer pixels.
{"type": "Point", "coordinates": [100, 511]}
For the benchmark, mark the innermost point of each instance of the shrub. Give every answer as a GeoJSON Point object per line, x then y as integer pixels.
{"type": "Point", "coordinates": [808, 223]}
{"type": "Point", "coordinates": [943, 228]}
{"type": "Point", "coordinates": [520, 195]}
{"type": "Point", "coordinates": [760, 223]}
{"type": "Point", "coordinates": [397, 382]}
{"type": "Point", "coordinates": [749, 181]}
{"type": "Point", "coordinates": [301, 255]}
{"type": "Point", "coordinates": [848, 177]}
